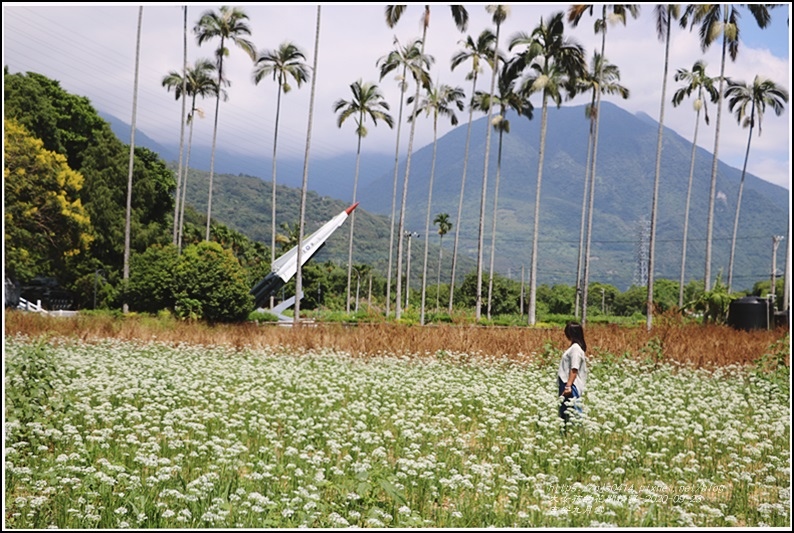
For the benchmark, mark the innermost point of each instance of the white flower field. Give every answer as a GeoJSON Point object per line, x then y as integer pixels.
{"type": "Point", "coordinates": [116, 434]}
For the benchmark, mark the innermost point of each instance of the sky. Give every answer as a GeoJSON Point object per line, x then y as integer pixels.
{"type": "Point", "coordinates": [90, 49]}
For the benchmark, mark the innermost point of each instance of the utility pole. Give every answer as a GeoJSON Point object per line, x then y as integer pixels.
{"type": "Point", "coordinates": [775, 243]}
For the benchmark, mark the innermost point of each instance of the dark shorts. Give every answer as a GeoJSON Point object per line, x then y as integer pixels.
{"type": "Point", "coordinates": [566, 402]}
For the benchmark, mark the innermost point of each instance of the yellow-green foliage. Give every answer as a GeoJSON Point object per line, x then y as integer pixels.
{"type": "Point", "coordinates": [45, 221]}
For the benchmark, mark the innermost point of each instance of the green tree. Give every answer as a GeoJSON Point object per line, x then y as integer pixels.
{"type": "Point", "coordinates": [210, 283]}
{"type": "Point", "coordinates": [699, 82]}
{"type": "Point", "coordinates": [479, 51]}
{"type": "Point", "coordinates": [283, 63]}
{"type": "Point", "coordinates": [506, 294]}
{"type": "Point", "coordinates": [555, 62]}
{"type": "Point", "coordinates": [713, 21]}
{"type": "Point", "coordinates": [440, 100]}
{"type": "Point", "coordinates": [367, 101]}
{"type": "Point", "coordinates": [712, 304]}
{"type": "Point", "coordinates": [65, 123]}
{"type": "Point", "coordinates": [444, 226]}
{"type": "Point", "coordinates": [629, 302]}
{"type": "Point", "coordinates": [228, 24]}
{"type": "Point", "coordinates": [393, 14]}
{"type": "Point", "coordinates": [196, 82]}
{"type": "Point", "coordinates": [757, 96]}
{"type": "Point", "coordinates": [561, 299]}
{"type": "Point", "coordinates": [403, 58]}
{"type": "Point", "coordinates": [45, 221]}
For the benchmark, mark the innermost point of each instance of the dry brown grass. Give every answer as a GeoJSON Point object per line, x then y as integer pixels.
{"type": "Point", "coordinates": [671, 339]}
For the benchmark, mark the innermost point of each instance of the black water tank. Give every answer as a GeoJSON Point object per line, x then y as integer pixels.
{"type": "Point", "coordinates": [748, 313]}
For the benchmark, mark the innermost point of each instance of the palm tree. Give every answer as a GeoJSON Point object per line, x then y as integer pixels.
{"type": "Point", "coordinates": [608, 83]}
{"type": "Point", "coordinates": [367, 101]}
{"type": "Point", "coordinates": [506, 98]}
{"type": "Point", "coordinates": [439, 101]}
{"type": "Point", "coordinates": [617, 13]}
{"type": "Point", "coordinates": [555, 63]}
{"type": "Point", "coordinates": [304, 184]}
{"type": "Point", "coordinates": [393, 14]}
{"type": "Point", "coordinates": [696, 81]}
{"type": "Point", "coordinates": [498, 14]}
{"type": "Point", "coordinates": [478, 51]}
{"type": "Point", "coordinates": [444, 226]}
{"type": "Point", "coordinates": [197, 81]}
{"type": "Point", "coordinates": [714, 20]}
{"type": "Point", "coordinates": [227, 24]}
{"type": "Point", "coordinates": [665, 14]}
{"type": "Point", "coordinates": [128, 221]}
{"type": "Point", "coordinates": [757, 96]}
{"type": "Point", "coordinates": [287, 61]}
{"type": "Point", "coordinates": [408, 57]}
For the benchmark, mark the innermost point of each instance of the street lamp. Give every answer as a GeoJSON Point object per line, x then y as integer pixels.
{"type": "Point", "coordinates": [408, 234]}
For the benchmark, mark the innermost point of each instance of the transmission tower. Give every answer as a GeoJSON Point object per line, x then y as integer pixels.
{"type": "Point", "coordinates": [641, 249]}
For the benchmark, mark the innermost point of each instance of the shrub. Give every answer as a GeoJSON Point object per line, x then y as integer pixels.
{"type": "Point", "coordinates": [210, 284]}
{"type": "Point", "coordinates": [151, 282]}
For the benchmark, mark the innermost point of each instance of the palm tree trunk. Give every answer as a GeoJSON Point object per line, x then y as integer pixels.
{"type": "Point", "coordinates": [460, 200]}
{"type": "Point", "coordinates": [579, 256]}
{"type": "Point", "coordinates": [481, 232]}
{"type": "Point", "coordinates": [739, 200]}
{"type": "Point", "coordinates": [400, 236]}
{"type": "Point", "coordinates": [715, 160]}
{"type": "Point", "coordinates": [586, 281]}
{"type": "Point", "coordinates": [686, 211]}
{"type": "Point", "coordinates": [128, 221]}
{"type": "Point", "coordinates": [352, 224]}
{"type": "Point", "coordinates": [394, 196]}
{"type": "Point", "coordinates": [304, 185]}
{"type": "Point", "coordinates": [273, 191]}
{"type": "Point", "coordinates": [493, 224]}
{"type": "Point", "coordinates": [652, 243]}
{"type": "Point", "coordinates": [427, 221]}
{"type": "Point", "coordinates": [181, 130]}
{"type": "Point", "coordinates": [590, 204]}
{"type": "Point", "coordinates": [214, 142]}
{"type": "Point", "coordinates": [533, 272]}
{"type": "Point", "coordinates": [438, 276]}
{"type": "Point", "coordinates": [184, 178]}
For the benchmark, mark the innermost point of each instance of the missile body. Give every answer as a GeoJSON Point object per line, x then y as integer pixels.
{"type": "Point", "coordinates": [286, 266]}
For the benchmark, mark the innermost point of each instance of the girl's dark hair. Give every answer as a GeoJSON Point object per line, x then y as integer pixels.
{"type": "Point", "coordinates": [575, 332]}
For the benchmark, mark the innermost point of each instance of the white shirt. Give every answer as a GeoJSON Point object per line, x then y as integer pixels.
{"type": "Point", "coordinates": [574, 358]}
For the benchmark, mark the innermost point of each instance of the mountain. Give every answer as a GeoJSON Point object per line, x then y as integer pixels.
{"type": "Point", "coordinates": [336, 170]}
{"type": "Point", "coordinates": [123, 130]}
{"type": "Point", "coordinates": [623, 194]}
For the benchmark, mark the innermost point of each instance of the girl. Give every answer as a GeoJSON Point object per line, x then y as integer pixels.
{"type": "Point", "coordinates": [572, 374]}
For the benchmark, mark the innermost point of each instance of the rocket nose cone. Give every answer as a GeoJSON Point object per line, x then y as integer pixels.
{"type": "Point", "coordinates": [351, 208]}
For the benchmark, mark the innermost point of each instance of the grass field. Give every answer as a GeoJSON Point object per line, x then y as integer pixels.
{"type": "Point", "coordinates": [169, 431]}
